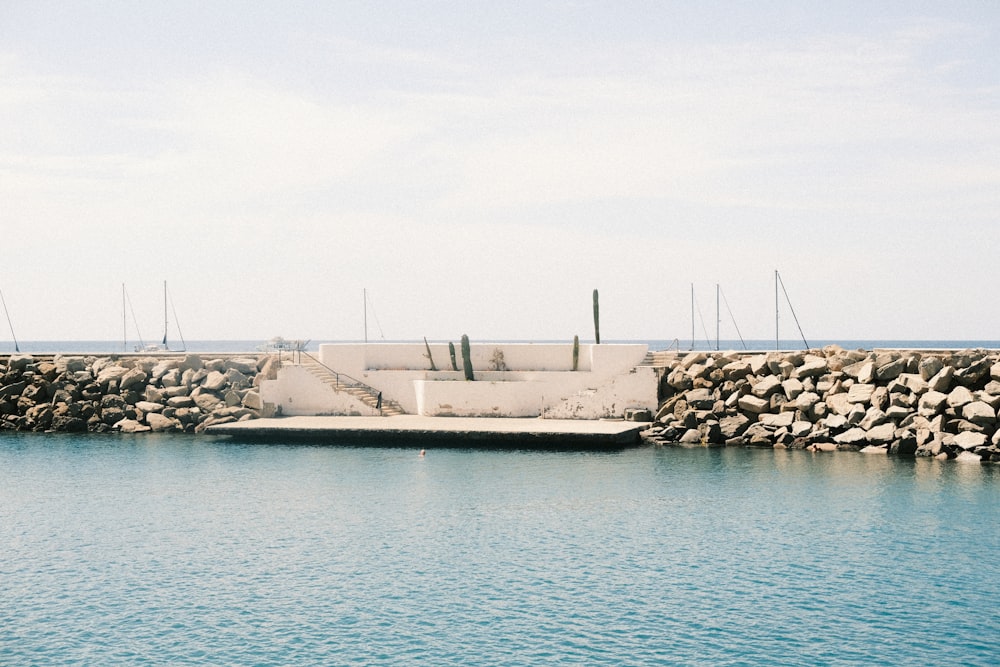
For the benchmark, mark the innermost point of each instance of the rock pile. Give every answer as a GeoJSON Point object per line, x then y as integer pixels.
{"type": "Point", "coordinates": [907, 403]}
{"type": "Point", "coordinates": [131, 395]}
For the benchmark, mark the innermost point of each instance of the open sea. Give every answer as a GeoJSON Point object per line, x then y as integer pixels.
{"type": "Point", "coordinates": [179, 550]}
{"type": "Point", "coordinates": [249, 346]}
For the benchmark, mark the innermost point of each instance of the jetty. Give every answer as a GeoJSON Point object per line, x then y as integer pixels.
{"type": "Point", "coordinates": [454, 431]}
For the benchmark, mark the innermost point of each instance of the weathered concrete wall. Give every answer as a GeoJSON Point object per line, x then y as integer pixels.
{"type": "Point", "coordinates": [128, 393]}
{"type": "Point", "coordinates": [908, 403]}
{"type": "Point", "coordinates": [511, 379]}
{"type": "Point", "coordinates": [296, 392]}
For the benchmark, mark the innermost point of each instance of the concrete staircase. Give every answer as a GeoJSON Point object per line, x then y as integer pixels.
{"type": "Point", "coordinates": [342, 383]}
{"type": "Point", "coordinates": [659, 359]}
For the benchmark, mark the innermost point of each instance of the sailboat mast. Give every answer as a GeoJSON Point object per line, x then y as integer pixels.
{"type": "Point", "coordinates": [124, 322]}
{"type": "Point", "coordinates": [717, 317]}
{"type": "Point", "coordinates": [17, 348]}
{"type": "Point", "coordinates": [164, 313]}
{"type": "Point", "coordinates": [777, 346]}
{"type": "Point", "coordinates": [692, 316]}
{"type": "Point", "coordinates": [365, 292]}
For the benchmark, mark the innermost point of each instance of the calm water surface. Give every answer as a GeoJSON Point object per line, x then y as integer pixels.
{"type": "Point", "coordinates": [175, 550]}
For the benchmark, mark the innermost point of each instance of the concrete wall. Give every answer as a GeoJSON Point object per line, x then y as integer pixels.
{"type": "Point", "coordinates": [296, 391]}
{"type": "Point", "coordinates": [539, 379]}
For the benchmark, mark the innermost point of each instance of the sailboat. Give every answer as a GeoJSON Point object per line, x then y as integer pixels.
{"type": "Point", "coordinates": [152, 347]}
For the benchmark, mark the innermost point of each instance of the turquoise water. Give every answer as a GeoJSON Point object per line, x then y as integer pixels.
{"type": "Point", "coordinates": [173, 550]}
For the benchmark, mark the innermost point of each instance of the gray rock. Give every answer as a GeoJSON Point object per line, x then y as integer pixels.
{"type": "Point", "coordinates": [979, 413]}
{"type": "Point", "coordinates": [158, 423]}
{"type": "Point", "coordinates": [782, 419]}
{"type": "Point", "coordinates": [852, 436]}
{"type": "Point", "coordinates": [882, 434]}
{"type": "Point", "coordinates": [699, 399]}
{"type": "Point", "coordinates": [800, 429]}
{"type": "Point", "coordinates": [180, 402]}
{"type": "Point", "coordinates": [873, 417]}
{"type": "Point", "coordinates": [860, 393]}
{"type": "Point", "coordinates": [736, 370]}
{"type": "Point", "coordinates": [149, 406]}
{"type": "Point", "coordinates": [214, 381]}
{"type": "Point", "coordinates": [835, 422]}
{"type": "Point", "coordinates": [932, 403]}
{"type": "Point", "coordinates": [766, 386]}
{"type": "Point", "coordinates": [691, 437]}
{"type": "Point", "coordinates": [856, 415]}
{"type": "Point", "coordinates": [793, 388]}
{"type": "Point", "coordinates": [839, 404]}
{"type": "Point", "coordinates": [109, 373]}
{"type": "Point", "coordinates": [914, 383]}
{"type": "Point", "coordinates": [243, 365]}
{"type": "Point", "coordinates": [252, 401]}
{"type": "Point", "coordinates": [942, 381]}
{"type": "Point", "coordinates": [811, 369]}
{"type": "Point", "coordinates": [134, 378]}
{"type": "Point", "coordinates": [960, 396]}
{"type": "Point", "coordinates": [191, 362]}
{"type": "Point", "coordinates": [891, 370]}
{"type": "Point", "coordinates": [970, 440]}
{"type": "Point", "coordinates": [130, 426]}
{"type": "Point", "coordinates": [206, 401]}
{"type": "Point", "coordinates": [753, 404]}
{"type": "Point", "coordinates": [929, 367]}
{"type": "Point", "coordinates": [806, 400]}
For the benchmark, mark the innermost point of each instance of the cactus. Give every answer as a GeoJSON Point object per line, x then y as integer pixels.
{"type": "Point", "coordinates": [428, 355]}
{"type": "Point", "coordinates": [467, 358]}
{"type": "Point", "coordinates": [597, 320]}
{"type": "Point", "coordinates": [451, 353]}
{"type": "Point", "coordinates": [576, 352]}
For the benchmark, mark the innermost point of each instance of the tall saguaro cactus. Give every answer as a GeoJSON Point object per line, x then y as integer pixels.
{"type": "Point", "coordinates": [597, 320]}
{"type": "Point", "coordinates": [467, 358]}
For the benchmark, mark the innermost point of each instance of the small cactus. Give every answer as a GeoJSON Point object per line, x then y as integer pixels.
{"type": "Point", "coordinates": [597, 320]}
{"type": "Point", "coordinates": [576, 352]}
{"type": "Point", "coordinates": [467, 358]}
{"type": "Point", "coordinates": [451, 353]}
{"type": "Point", "coordinates": [428, 355]}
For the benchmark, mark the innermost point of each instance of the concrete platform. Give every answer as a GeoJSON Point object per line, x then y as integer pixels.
{"type": "Point", "coordinates": [454, 431]}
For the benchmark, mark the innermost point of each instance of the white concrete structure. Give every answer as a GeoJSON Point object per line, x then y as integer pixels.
{"type": "Point", "coordinates": [511, 380]}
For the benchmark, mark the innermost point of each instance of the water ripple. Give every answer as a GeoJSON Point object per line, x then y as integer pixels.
{"type": "Point", "coordinates": [161, 551]}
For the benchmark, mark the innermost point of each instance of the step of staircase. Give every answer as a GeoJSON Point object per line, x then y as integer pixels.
{"type": "Point", "coordinates": [367, 395]}
{"type": "Point", "coordinates": [658, 359]}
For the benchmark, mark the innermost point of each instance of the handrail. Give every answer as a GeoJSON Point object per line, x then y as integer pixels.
{"type": "Point", "coordinates": [353, 382]}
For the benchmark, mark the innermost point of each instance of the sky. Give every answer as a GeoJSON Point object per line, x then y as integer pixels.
{"type": "Point", "coordinates": [481, 167]}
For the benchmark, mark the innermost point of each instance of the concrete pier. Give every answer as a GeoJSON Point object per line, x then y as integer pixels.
{"type": "Point", "coordinates": [454, 431]}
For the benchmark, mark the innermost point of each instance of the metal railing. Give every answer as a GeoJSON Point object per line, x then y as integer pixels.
{"type": "Point", "coordinates": [346, 380]}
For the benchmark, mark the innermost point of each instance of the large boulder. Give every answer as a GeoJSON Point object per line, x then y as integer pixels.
{"type": "Point", "coordinates": [979, 413]}
{"type": "Point", "coordinates": [882, 434]}
{"type": "Point", "coordinates": [860, 393]}
{"type": "Point", "coordinates": [970, 440]}
{"type": "Point", "coordinates": [929, 367]}
{"type": "Point", "coordinates": [158, 423]}
{"type": "Point", "coordinates": [960, 396]}
{"type": "Point", "coordinates": [214, 381]}
{"type": "Point", "coordinates": [753, 404]}
{"type": "Point", "coordinates": [931, 403]}
{"type": "Point", "coordinates": [891, 370]}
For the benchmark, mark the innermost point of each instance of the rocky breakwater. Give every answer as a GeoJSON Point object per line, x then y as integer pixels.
{"type": "Point", "coordinates": [130, 394]}
{"type": "Point", "coordinates": [906, 403]}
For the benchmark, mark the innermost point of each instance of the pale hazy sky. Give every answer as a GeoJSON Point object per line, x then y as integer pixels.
{"type": "Point", "coordinates": [481, 167]}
